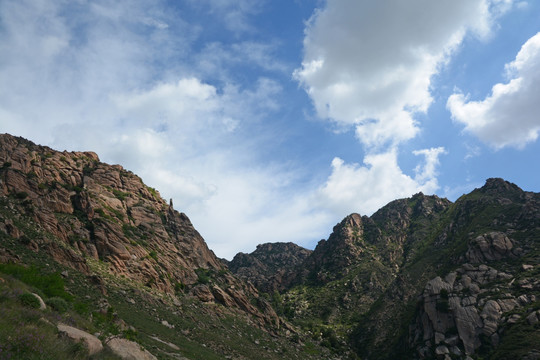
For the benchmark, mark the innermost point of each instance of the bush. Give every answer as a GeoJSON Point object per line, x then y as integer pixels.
{"type": "Point", "coordinates": [29, 300]}
{"type": "Point", "coordinates": [444, 294]}
{"type": "Point", "coordinates": [442, 306]}
{"type": "Point", "coordinates": [179, 287]}
{"type": "Point", "coordinates": [21, 195]}
{"type": "Point", "coordinates": [57, 304]}
{"type": "Point", "coordinates": [203, 276]}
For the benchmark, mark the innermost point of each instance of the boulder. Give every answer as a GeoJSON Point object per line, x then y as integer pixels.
{"type": "Point", "coordinates": [203, 293]}
{"type": "Point", "coordinates": [532, 318]}
{"type": "Point", "coordinates": [92, 343]}
{"type": "Point", "coordinates": [491, 314]}
{"type": "Point", "coordinates": [222, 297]}
{"type": "Point", "coordinates": [128, 350]}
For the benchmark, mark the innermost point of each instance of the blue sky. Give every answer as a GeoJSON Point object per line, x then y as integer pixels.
{"type": "Point", "coordinates": [272, 120]}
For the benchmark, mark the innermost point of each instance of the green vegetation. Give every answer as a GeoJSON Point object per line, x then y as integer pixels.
{"type": "Point", "coordinates": [50, 284]}
{"type": "Point", "coordinates": [203, 276]}
{"type": "Point", "coordinates": [29, 300]}
{"type": "Point", "coordinates": [153, 255]}
{"type": "Point", "coordinates": [120, 195]}
{"type": "Point", "coordinates": [21, 195]}
{"type": "Point", "coordinates": [58, 304]}
{"type": "Point", "coordinates": [31, 334]}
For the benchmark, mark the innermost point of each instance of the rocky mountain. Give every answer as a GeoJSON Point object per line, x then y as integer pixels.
{"type": "Point", "coordinates": [424, 278]}
{"type": "Point", "coordinates": [90, 254]}
{"type": "Point", "coordinates": [102, 225]}
{"type": "Point", "coordinates": [271, 267]}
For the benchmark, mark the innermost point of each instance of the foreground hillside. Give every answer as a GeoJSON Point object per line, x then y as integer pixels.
{"type": "Point", "coordinates": [123, 264]}
{"type": "Point", "coordinates": [422, 278]}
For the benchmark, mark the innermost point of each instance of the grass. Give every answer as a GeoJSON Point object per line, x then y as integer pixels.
{"type": "Point", "coordinates": [31, 334]}
{"type": "Point", "coordinates": [50, 284]}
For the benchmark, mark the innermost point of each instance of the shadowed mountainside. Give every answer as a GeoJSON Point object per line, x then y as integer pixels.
{"type": "Point", "coordinates": [425, 278]}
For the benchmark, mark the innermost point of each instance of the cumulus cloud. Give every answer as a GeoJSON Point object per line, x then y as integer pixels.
{"type": "Point", "coordinates": [365, 188]}
{"type": "Point", "coordinates": [370, 63]}
{"type": "Point", "coordinates": [509, 115]}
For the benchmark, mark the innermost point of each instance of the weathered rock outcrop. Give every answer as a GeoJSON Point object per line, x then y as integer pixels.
{"type": "Point", "coordinates": [489, 247]}
{"type": "Point", "coordinates": [271, 267]}
{"type": "Point", "coordinates": [481, 249]}
{"type": "Point", "coordinates": [460, 308]}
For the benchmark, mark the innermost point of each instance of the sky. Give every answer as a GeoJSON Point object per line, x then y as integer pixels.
{"type": "Point", "coordinates": [272, 120]}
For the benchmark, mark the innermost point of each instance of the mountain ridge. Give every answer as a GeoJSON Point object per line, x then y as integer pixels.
{"type": "Point", "coordinates": [421, 278]}
{"type": "Point", "coordinates": [378, 277]}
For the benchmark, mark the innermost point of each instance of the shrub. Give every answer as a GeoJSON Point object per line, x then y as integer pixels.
{"type": "Point", "coordinates": [179, 287]}
{"type": "Point", "coordinates": [443, 306]}
{"type": "Point", "coordinates": [202, 276]}
{"type": "Point", "coordinates": [21, 195]}
{"type": "Point", "coordinates": [120, 195]}
{"type": "Point", "coordinates": [29, 300]}
{"type": "Point", "coordinates": [444, 294]}
{"type": "Point", "coordinates": [57, 304]}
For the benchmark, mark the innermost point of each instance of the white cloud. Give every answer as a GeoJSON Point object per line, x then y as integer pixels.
{"type": "Point", "coordinates": [364, 189]}
{"type": "Point", "coordinates": [509, 115]}
{"type": "Point", "coordinates": [370, 63]}
{"type": "Point", "coordinates": [81, 76]}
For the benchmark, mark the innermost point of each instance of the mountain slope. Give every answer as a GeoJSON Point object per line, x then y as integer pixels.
{"type": "Point", "coordinates": [427, 278]}
{"type": "Point", "coordinates": [125, 252]}
{"type": "Point", "coordinates": [271, 266]}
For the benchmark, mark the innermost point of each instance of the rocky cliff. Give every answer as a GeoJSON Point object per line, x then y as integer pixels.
{"type": "Point", "coordinates": [271, 267]}
{"type": "Point", "coordinates": [103, 221]}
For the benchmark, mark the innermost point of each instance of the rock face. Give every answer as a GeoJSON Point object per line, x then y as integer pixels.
{"type": "Point", "coordinates": [87, 212]}
{"type": "Point", "coordinates": [271, 267]}
{"type": "Point", "coordinates": [477, 305]}
{"type": "Point", "coordinates": [459, 309]}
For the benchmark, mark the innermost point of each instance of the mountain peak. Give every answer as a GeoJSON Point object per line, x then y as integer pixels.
{"type": "Point", "coordinates": [499, 185]}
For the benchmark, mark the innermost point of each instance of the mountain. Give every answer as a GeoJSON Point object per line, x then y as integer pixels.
{"type": "Point", "coordinates": [426, 278]}
{"type": "Point", "coordinates": [271, 267]}
{"type": "Point", "coordinates": [95, 264]}
{"type": "Point", "coordinates": [135, 266]}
